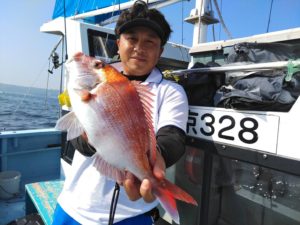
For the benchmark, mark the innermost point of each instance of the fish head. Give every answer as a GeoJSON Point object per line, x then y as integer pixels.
{"type": "Point", "coordinates": [86, 73]}
{"type": "Point", "coordinates": [83, 72]}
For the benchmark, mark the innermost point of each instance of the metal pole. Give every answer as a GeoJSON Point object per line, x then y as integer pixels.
{"type": "Point", "coordinates": [200, 28]}
{"type": "Point", "coordinates": [249, 67]}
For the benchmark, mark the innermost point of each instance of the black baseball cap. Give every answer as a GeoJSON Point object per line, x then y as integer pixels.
{"type": "Point", "coordinates": [140, 15]}
{"type": "Point", "coordinates": [143, 23]}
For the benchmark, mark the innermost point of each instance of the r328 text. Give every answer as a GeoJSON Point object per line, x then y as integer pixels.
{"type": "Point", "coordinates": [210, 125]}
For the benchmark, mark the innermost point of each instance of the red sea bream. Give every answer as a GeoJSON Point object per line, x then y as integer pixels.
{"type": "Point", "coordinates": [115, 114]}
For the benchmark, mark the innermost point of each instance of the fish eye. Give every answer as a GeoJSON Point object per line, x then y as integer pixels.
{"type": "Point", "coordinates": [98, 64]}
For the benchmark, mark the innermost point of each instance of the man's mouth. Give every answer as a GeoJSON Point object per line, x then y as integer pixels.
{"type": "Point", "coordinates": [139, 58]}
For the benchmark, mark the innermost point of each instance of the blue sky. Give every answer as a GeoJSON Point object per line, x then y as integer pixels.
{"type": "Point", "coordinates": [24, 51]}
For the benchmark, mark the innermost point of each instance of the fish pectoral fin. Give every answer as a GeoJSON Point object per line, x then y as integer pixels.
{"type": "Point", "coordinates": [108, 170]}
{"type": "Point", "coordinates": [84, 94]}
{"type": "Point", "coordinates": [71, 124]}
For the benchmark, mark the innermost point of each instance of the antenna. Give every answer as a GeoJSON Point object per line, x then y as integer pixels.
{"type": "Point", "coordinates": [65, 26]}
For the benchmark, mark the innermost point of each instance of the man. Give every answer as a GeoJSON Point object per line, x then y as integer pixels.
{"type": "Point", "coordinates": [86, 196]}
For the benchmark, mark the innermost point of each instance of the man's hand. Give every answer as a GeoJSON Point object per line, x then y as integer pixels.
{"type": "Point", "coordinates": [136, 189]}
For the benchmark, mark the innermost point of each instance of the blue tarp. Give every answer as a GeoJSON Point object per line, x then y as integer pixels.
{"type": "Point", "coordinates": [75, 7]}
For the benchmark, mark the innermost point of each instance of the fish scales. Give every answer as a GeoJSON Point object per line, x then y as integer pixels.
{"type": "Point", "coordinates": [115, 115]}
{"type": "Point", "coordinates": [124, 117]}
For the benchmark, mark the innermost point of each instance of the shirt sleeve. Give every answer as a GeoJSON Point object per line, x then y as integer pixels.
{"type": "Point", "coordinates": [172, 120]}
{"type": "Point", "coordinates": [171, 143]}
{"type": "Point", "coordinates": [173, 106]}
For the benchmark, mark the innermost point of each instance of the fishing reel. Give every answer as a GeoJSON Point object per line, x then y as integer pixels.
{"type": "Point", "coordinates": [55, 60]}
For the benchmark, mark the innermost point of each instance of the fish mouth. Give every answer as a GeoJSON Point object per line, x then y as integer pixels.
{"type": "Point", "coordinates": [96, 85]}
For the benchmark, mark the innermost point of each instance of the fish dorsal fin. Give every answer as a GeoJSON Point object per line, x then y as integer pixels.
{"type": "Point", "coordinates": [108, 170]}
{"type": "Point", "coordinates": [146, 98]}
{"type": "Point", "coordinates": [71, 124]}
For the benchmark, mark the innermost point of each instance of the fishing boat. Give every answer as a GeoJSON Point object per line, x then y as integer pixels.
{"type": "Point", "coordinates": [241, 162]}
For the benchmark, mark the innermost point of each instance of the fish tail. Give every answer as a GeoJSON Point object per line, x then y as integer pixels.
{"type": "Point", "coordinates": [167, 193]}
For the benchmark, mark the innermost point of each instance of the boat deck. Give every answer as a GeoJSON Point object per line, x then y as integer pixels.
{"type": "Point", "coordinates": [33, 153]}
{"type": "Point", "coordinates": [12, 209]}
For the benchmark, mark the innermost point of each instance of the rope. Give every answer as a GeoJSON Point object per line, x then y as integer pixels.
{"type": "Point", "coordinates": [47, 87]}
{"type": "Point", "coordinates": [182, 6]}
{"type": "Point", "coordinates": [213, 25]}
{"type": "Point", "coordinates": [65, 27]}
{"type": "Point", "coordinates": [270, 13]}
{"type": "Point", "coordinates": [113, 204]}
{"type": "Point", "coordinates": [19, 104]}
{"type": "Point", "coordinates": [221, 20]}
{"type": "Point", "coordinates": [220, 26]}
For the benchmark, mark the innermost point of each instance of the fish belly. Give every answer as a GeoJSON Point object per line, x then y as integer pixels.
{"type": "Point", "coordinates": [115, 125]}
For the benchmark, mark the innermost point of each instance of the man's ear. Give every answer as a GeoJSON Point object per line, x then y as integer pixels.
{"type": "Point", "coordinates": [118, 43]}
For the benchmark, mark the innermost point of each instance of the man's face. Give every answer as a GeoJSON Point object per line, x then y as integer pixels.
{"type": "Point", "coordinates": [139, 49]}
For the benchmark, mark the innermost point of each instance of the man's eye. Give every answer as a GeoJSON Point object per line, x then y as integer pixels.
{"type": "Point", "coordinates": [131, 38]}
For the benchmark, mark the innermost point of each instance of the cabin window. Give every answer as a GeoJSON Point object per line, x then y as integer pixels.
{"type": "Point", "coordinates": [102, 44]}
{"type": "Point", "coordinates": [255, 195]}
{"type": "Point", "coordinates": [235, 192]}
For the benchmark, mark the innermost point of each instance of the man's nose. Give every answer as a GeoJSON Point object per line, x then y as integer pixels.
{"type": "Point", "coordinates": [139, 46]}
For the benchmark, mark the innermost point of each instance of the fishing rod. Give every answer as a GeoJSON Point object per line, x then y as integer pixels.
{"type": "Point", "coordinates": [292, 66]}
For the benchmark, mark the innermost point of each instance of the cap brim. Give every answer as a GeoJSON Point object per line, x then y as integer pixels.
{"type": "Point", "coordinates": [143, 23]}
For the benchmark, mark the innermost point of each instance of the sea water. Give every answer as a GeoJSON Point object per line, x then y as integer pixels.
{"type": "Point", "coordinates": [23, 108]}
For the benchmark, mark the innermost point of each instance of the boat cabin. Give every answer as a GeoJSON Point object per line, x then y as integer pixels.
{"type": "Point", "coordinates": [242, 160]}
{"type": "Point", "coordinates": [99, 42]}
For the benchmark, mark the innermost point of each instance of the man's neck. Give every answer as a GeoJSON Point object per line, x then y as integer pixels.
{"type": "Point", "coordinates": [138, 78]}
